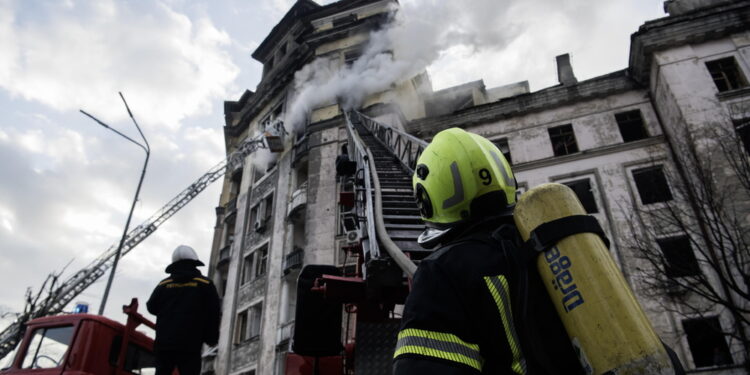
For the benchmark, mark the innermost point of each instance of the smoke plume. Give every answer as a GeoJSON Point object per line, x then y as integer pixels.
{"type": "Point", "coordinates": [418, 33]}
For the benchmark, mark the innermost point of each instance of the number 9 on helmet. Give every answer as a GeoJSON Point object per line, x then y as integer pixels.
{"type": "Point", "coordinates": [461, 177]}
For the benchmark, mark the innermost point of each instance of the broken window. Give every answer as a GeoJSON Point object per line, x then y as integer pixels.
{"type": "Point", "coordinates": [563, 140]}
{"type": "Point", "coordinates": [742, 128]}
{"type": "Point", "coordinates": [240, 333]}
{"type": "Point", "coordinates": [631, 125]}
{"type": "Point", "coordinates": [502, 144]}
{"type": "Point", "coordinates": [726, 74]}
{"type": "Point", "coordinates": [707, 344]}
{"type": "Point", "coordinates": [679, 257]}
{"type": "Point", "coordinates": [261, 259]}
{"type": "Point", "coordinates": [652, 185]}
{"type": "Point", "coordinates": [583, 191]}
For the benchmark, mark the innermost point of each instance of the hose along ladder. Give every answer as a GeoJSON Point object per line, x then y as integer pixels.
{"type": "Point", "coordinates": [390, 224]}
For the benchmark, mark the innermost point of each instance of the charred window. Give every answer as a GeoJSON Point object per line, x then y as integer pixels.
{"type": "Point", "coordinates": [631, 125]}
{"type": "Point", "coordinates": [726, 74]}
{"type": "Point", "coordinates": [502, 144]}
{"type": "Point", "coordinates": [652, 185]}
{"type": "Point", "coordinates": [563, 140]}
{"type": "Point", "coordinates": [707, 344]}
{"type": "Point", "coordinates": [583, 191]}
{"type": "Point", "coordinates": [679, 258]}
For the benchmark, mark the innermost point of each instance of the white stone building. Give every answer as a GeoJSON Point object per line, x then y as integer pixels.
{"type": "Point", "coordinates": [611, 138]}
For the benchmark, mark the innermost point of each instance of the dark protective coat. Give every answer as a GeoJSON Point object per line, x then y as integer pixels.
{"type": "Point", "coordinates": [187, 309]}
{"type": "Point", "coordinates": [473, 300]}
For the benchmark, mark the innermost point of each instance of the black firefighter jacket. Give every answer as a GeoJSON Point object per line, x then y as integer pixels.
{"type": "Point", "coordinates": [187, 309]}
{"type": "Point", "coordinates": [469, 313]}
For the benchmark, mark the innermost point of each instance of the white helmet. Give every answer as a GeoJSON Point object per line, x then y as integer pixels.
{"type": "Point", "coordinates": [184, 252]}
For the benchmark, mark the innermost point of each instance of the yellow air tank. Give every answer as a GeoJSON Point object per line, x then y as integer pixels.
{"type": "Point", "coordinates": [605, 322]}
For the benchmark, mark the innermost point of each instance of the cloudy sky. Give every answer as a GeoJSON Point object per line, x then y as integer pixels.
{"type": "Point", "coordinates": [66, 184]}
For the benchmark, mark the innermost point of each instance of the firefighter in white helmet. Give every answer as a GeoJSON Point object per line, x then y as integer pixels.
{"type": "Point", "coordinates": [187, 311]}
{"type": "Point", "coordinates": [474, 308]}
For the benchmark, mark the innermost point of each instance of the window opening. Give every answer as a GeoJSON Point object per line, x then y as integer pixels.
{"type": "Point", "coordinates": [563, 140]}
{"type": "Point", "coordinates": [631, 125]}
{"type": "Point", "coordinates": [707, 343]}
{"type": "Point", "coordinates": [679, 257]}
{"type": "Point", "coordinates": [247, 269]}
{"type": "Point", "coordinates": [256, 314]}
{"type": "Point", "coordinates": [742, 128]}
{"type": "Point", "coordinates": [652, 185]}
{"type": "Point", "coordinates": [726, 74]}
{"type": "Point", "coordinates": [261, 259]}
{"type": "Point", "coordinates": [241, 327]}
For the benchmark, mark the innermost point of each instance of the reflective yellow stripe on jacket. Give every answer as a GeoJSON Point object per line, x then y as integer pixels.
{"type": "Point", "coordinates": [438, 345]}
{"type": "Point", "coordinates": [498, 287]}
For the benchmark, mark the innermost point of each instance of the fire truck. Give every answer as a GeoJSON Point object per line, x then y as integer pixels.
{"type": "Point", "coordinates": [82, 344]}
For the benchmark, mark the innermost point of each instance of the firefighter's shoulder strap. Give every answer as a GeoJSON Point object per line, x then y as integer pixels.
{"type": "Point", "coordinates": [548, 234]}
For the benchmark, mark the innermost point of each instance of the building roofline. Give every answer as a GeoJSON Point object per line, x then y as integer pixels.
{"type": "Point", "coordinates": [695, 27]}
{"type": "Point", "coordinates": [297, 12]}
{"type": "Point", "coordinates": [548, 98]}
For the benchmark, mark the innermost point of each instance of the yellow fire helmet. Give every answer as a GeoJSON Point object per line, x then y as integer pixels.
{"type": "Point", "coordinates": [460, 177]}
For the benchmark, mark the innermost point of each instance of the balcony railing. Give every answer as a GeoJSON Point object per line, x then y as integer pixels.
{"type": "Point", "coordinates": [298, 200]}
{"type": "Point", "coordinates": [224, 255]}
{"type": "Point", "coordinates": [284, 333]}
{"type": "Point", "coordinates": [293, 260]}
{"type": "Point", "coordinates": [230, 208]}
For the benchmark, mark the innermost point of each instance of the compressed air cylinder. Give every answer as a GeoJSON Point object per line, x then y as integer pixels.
{"type": "Point", "coordinates": [604, 321]}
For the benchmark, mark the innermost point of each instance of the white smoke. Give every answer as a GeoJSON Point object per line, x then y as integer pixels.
{"type": "Point", "coordinates": [418, 34]}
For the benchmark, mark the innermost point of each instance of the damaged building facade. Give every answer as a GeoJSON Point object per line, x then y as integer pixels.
{"type": "Point", "coordinates": [610, 138]}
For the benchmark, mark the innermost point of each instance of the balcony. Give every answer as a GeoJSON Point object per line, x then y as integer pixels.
{"type": "Point", "coordinates": [230, 209]}
{"type": "Point", "coordinates": [298, 200]}
{"type": "Point", "coordinates": [293, 260]}
{"type": "Point", "coordinates": [224, 254]}
{"type": "Point", "coordinates": [284, 334]}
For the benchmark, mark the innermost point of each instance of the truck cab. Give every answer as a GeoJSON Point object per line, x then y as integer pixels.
{"type": "Point", "coordinates": [83, 344]}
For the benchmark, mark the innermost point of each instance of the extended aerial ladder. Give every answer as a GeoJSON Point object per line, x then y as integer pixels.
{"type": "Point", "coordinates": [272, 138]}
{"type": "Point", "coordinates": [388, 222]}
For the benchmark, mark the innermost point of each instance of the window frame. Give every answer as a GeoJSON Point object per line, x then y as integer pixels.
{"type": "Point", "coordinates": [592, 189]}
{"type": "Point", "coordinates": [696, 343]}
{"type": "Point", "coordinates": [629, 120]}
{"type": "Point", "coordinates": [641, 197]}
{"type": "Point", "coordinates": [722, 75]}
{"type": "Point", "coordinates": [570, 145]}
{"type": "Point", "coordinates": [672, 269]}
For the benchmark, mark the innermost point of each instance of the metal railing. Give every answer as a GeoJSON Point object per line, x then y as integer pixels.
{"type": "Point", "coordinates": [363, 196]}
{"type": "Point", "coordinates": [406, 147]}
{"type": "Point", "coordinates": [374, 203]}
{"type": "Point", "coordinates": [293, 260]}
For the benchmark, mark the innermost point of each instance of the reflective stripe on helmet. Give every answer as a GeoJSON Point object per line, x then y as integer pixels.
{"type": "Point", "coordinates": [498, 287]}
{"type": "Point", "coordinates": [438, 345]}
{"type": "Point", "coordinates": [458, 188]}
{"type": "Point", "coordinates": [506, 178]}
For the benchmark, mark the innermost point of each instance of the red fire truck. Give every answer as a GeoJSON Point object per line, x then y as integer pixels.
{"type": "Point", "coordinates": [83, 344]}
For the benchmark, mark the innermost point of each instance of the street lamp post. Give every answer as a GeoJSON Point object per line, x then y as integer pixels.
{"type": "Point", "coordinates": [147, 149]}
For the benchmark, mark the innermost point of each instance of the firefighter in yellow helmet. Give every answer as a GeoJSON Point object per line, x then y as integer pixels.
{"type": "Point", "coordinates": [475, 308]}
